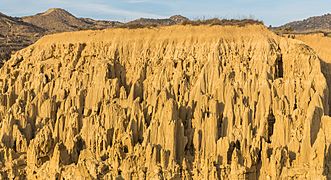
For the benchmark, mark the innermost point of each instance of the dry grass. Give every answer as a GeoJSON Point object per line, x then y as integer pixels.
{"type": "Point", "coordinates": [138, 26]}
{"type": "Point", "coordinates": [211, 22]}
{"type": "Point", "coordinates": [224, 22]}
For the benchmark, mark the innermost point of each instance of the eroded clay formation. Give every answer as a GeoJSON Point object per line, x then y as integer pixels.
{"type": "Point", "coordinates": [202, 102]}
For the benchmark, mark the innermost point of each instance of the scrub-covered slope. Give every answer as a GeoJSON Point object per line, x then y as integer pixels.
{"type": "Point", "coordinates": [202, 102]}
{"type": "Point", "coordinates": [311, 24]}
{"type": "Point", "coordinates": [15, 35]}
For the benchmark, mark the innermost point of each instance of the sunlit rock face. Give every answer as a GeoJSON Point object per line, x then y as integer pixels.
{"type": "Point", "coordinates": [181, 102]}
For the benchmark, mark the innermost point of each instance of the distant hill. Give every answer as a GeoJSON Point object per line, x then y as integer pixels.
{"type": "Point", "coordinates": [177, 19]}
{"type": "Point", "coordinates": [59, 20]}
{"type": "Point", "coordinates": [16, 34]}
{"type": "Point", "coordinates": [312, 24]}
{"type": "Point", "coordinates": [10, 25]}
{"type": "Point", "coordinates": [99, 24]}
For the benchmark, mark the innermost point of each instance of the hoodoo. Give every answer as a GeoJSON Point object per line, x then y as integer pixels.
{"type": "Point", "coordinates": [203, 102]}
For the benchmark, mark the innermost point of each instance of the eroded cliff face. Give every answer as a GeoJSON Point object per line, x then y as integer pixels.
{"type": "Point", "coordinates": [174, 102]}
{"type": "Point", "coordinates": [321, 45]}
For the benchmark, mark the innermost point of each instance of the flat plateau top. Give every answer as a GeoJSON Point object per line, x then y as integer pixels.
{"type": "Point", "coordinates": [173, 32]}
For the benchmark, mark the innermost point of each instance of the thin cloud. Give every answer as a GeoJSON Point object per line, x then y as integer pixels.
{"type": "Point", "coordinates": [106, 9]}
{"type": "Point", "coordinates": [168, 2]}
{"type": "Point", "coordinates": [109, 10]}
{"type": "Point", "coordinates": [136, 1]}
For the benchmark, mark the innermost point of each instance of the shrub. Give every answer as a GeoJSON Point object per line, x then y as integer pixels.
{"type": "Point", "coordinates": [198, 22]}
{"type": "Point", "coordinates": [223, 22]}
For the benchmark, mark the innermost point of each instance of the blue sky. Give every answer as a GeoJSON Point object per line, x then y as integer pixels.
{"type": "Point", "coordinates": [274, 12]}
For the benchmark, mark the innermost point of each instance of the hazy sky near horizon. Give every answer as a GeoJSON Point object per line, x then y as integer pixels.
{"type": "Point", "coordinates": [270, 11]}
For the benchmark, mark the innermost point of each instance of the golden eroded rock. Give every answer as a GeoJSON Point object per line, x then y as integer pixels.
{"type": "Point", "coordinates": [177, 102]}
